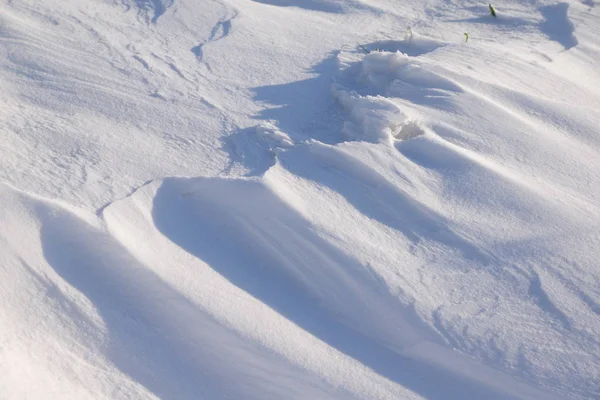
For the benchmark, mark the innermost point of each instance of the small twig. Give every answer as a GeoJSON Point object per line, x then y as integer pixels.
{"type": "Point", "coordinates": [363, 47]}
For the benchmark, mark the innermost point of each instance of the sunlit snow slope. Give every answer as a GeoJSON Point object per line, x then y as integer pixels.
{"type": "Point", "coordinates": [299, 199]}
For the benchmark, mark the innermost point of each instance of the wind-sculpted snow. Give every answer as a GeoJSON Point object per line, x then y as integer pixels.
{"type": "Point", "coordinates": [558, 26]}
{"type": "Point", "coordinates": [155, 335]}
{"type": "Point", "coordinates": [299, 200]}
{"type": "Point", "coordinates": [151, 333]}
{"type": "Point", "coordinates": [155, 8]}
{"type": "Point", "coordinates": [369, 90]}
{"type": "Point", "coordinates": [392, 90]}
{"type": "Point", "coordinates": [248, 233]}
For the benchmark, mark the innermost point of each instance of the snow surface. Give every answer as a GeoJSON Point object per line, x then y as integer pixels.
{"type": "Point", "coordinates": [210, 199]}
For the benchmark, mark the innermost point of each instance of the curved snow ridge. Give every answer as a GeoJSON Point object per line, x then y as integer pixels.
{"type": "Point", "coordinates": [156, 335]}
{"type": "Point", "coordinates": [294, 279]}
{"type": "Point", "coordinates": [144, 223]}
{"type": "Point", "coordinates": [249, 232]}
{"type": "Point", "coordinates": [255, 228]}
{"type": "Point", "coordinates": [143, 329]}
{"type": "Point", "coordinates": [50, 331]}
{"type": "Point", "coordinates": [254, 233]}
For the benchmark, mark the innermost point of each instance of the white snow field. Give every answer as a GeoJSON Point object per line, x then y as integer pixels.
{"type": "Point", "coordinates": [299, 199]}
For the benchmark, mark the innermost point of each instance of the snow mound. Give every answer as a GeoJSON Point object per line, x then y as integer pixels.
{"type": "Point", "coordinates": [370, 88]}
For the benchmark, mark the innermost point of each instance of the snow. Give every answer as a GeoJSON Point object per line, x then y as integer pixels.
{"type": "Point", "coordinates": [285, 199]}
